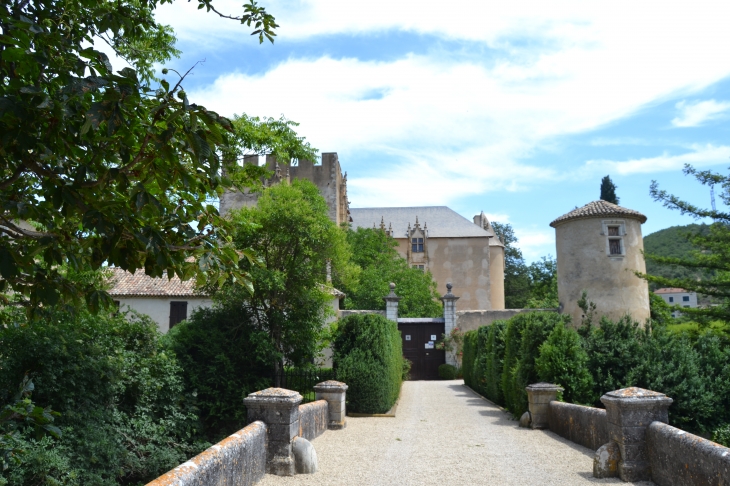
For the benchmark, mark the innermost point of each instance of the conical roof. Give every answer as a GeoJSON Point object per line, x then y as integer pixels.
{"type": "Point", "coordinates": [599, 209]}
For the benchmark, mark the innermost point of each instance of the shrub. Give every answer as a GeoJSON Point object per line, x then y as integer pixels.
{"type": "Point", "coordinates": [562, 360]}
{"type": "Point", "coordinates": [447, 372]}
{"type": "Point", "coordinates": [467, 361]}
{"type": "Point", "coordinates": [225, 358]}
{"type": "Point", "coordinates": [480, 360]}
{"type": "Point", "coordinates": [494, 360]}
{"type": "Point", "coordinates": [368, 357]}
{"type": "Point", "coordinates": [721, 435]}
{"type": "Point", "coordinates": [512, 339]}
{"type": "Point", "coordinates": [124, 415]}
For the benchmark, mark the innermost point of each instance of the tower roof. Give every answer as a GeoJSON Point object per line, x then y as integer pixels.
{"type": "Point", "coordinates": [599, 209]}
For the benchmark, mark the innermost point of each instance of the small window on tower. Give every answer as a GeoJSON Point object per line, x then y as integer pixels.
{"type": "Point", "coordinates": [614, 246]}
{"type": "Point", "coordinates": [417, 245]}
{"type": "Point", "coordinates": [613, 231]}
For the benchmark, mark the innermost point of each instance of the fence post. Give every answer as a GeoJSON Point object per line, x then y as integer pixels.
{"type": "Point", "coordinates": [279, 410]}
{"type": "Point", "coordinates": [539, 396]}
{"type": "Point", "coordinates": [391, 304]}
{"type": "Point", "coordinates": [334, 392]}
{"type": "Point", "coordinates": [629, 412]}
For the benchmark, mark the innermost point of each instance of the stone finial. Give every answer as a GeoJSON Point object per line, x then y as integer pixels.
{"type": "Point", "coordinates": [448, 288]}
{"type": "Point", "coordinates": [539, 396]}
{"type": "Point", "coordinates": [278, 408]}
{"type": "Point", "coordinates": [391, 304]}
{"type": "Point", "coordinates": [629, 412]}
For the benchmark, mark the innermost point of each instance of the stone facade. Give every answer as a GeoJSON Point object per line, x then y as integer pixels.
{"type": "Point", "coordinates": [599, 247]}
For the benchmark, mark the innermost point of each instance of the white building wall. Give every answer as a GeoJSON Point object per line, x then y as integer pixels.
{"type": "Point", "coordinates": [158, 308]}
{"type": "Point", "coordinates": [678, 298]}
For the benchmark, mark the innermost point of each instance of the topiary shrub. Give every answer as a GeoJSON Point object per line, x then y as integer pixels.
{"type": "Point", "coordinates": [368, 357]}
{"type": "Point", "coordinates": [467, 359]}
{"type": "Point", "coordinates": [447, 372]}
{"type": "Point", "coordinates": [494, 359]}
{"type": "Point", "coordinates": [563, 361]}
{"type": "Point", "coordinates": [480, 361]}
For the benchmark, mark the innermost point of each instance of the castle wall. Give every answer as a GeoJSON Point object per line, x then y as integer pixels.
{"type": "Point", "coordinates": [462, 261]}
{"type": "Point", "coordinates": [584, 264]}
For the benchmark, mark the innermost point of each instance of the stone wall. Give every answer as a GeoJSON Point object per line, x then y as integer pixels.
{"type": "Point", "coordinates": [586, 426]}
{"type": "Point", "coordinates": [679, 458]}
{"type": "Point", "coordinates": [344, 313]}
{"type": "Point", "coordinates": [313, 419]}
{"type": "Point", "coordinates": [239, 460]}
{"type": "Point", "coordinates": [474, 319]}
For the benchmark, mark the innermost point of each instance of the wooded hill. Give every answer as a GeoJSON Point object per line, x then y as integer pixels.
{"type": "Point", "coordinates": [672, 242]}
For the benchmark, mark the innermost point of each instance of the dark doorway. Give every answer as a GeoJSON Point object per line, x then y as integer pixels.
{"type": "Point", "coordinates": [419, 338]}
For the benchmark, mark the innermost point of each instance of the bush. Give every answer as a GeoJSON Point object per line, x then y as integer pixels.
{"type": "Point", "coordinates": [495, 357]}
{"type": "Point", "coordinates": [125, 417]}
{"type": "Point", "coordinates": [225, 358]}
{"type": "Point", "coordinates": [368, 357]}
{"type": "Point", "coordinates": [721, 435]}
{"type": "Point", "coordinates": [480, 363]}
{"type": "Point", "coordinates": [512, 339]}
{"type": "Point", "coordinates": [447, 372]}
{"type": "Point", "coordinates": [562, 360]}
{"type": "Point", "coordinates": [467, 359]}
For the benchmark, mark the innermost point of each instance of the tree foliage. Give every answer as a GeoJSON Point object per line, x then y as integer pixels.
{"type": "Point", "coordinates": [374, 252]}
{"type": "Point", "coordinates": [608, 190]}
{"type": "Point", "coordinates": [293, 240]}
{"type": "Point", "coordinates": [711, 249]}
{"type": "Point", "coordinates": [98, 165]}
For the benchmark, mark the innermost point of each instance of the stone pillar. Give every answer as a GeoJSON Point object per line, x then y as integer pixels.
{"type": "Point", "coordinates": [629, 412]}
{"type": "Point", "coordinates": [449, 301]}
{"type": "Point", "coordinates": [539, 396]}
{"type": "Point", "coordinates": [334, 393]}
{"type": "Point", "coordinates": [278, 408]}
{"type": "Point", "coordinates": [391, 304]}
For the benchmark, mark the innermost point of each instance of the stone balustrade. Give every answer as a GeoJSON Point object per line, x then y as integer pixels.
{"type": "Point", "coordinates": [631, 437]}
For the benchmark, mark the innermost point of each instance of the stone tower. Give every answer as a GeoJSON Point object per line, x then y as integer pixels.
{"type": "Point", "coordinates": [327, 176]}
{"type": "Point", "coordinates": [599, 247]}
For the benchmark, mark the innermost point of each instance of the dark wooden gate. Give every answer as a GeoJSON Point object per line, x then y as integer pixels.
{"type": "Point", "coordinates": [419, 336]}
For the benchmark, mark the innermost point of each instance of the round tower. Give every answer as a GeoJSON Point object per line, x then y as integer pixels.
{"type": "Point", "coordinates": [599, 247]}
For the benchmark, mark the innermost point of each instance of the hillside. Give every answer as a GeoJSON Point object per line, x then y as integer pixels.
{"type": "Point", "coordinates": [672, 242]}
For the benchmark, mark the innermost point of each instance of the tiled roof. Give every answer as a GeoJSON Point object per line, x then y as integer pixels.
{"type": "Point", "coordinates": [441, 221]}
{"type": "Point", "coordinates": [670, 291]}
{"type": "Point", "coordinates": [599, 209]}
{"type": "Point", "coordinates": [140, 285]}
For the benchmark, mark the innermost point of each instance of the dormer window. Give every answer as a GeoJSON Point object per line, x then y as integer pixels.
{"type": "Point", "coordinates": [614, 232]}
{"type": "Point", "coordinates": [417, 245]}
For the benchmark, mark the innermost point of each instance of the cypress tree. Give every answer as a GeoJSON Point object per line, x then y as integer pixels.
{"type": "Point", "coordinates": [608, 190]}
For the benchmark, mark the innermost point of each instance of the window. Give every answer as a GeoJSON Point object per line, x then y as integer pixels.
{"type": "Point", "coordinates": [685, 298]}
{"type": "Point", "coordinates": [614, 231]}
{"type": "Point", "coordinates": [614, 246]}
{"type": "Point", "coordinates": [417, 245]}
{"type": "Point", "coordinates": [686, 306]}
{"type": "Point", "coordinates": [178, 312]}
{"type": "Point", "coordinates": [420, 267]}
{"type": "Point", "coordinates": [671, 299]}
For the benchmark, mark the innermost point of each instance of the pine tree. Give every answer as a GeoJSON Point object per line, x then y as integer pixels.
{"type": "Point", "coordinates": [608, 190]}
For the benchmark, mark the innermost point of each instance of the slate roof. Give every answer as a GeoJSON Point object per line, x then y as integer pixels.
{"type": "Point", "coordinates": [441, 221]}
{"type": "Point", "coordinates": [126, 284]}
{"type": "Point", "coordinates": [599, 209]}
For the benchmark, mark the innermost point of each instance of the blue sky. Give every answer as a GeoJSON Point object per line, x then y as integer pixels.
{"type": "Point", "coordinates": [515, 108]}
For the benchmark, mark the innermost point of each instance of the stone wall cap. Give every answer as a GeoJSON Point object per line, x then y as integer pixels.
{"type": "Point", "coordinates": [330, 385]}
{"type": "Point", "coordinates": [542, 386]}
{"type": "Point", "coordinates": [635, 392]}
{"type": "Point", "coordinates": [273, 396]}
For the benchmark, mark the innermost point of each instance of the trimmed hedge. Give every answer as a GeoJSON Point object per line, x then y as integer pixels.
{"type": "Point", "coordinates": [368, 356]}
{"type": "Point", "coordinates": [694, 370]}
{"type": "Point", "coordinates": [447, 372]}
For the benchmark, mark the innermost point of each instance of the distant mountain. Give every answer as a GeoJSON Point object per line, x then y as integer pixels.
{"type": "Point", "coordinates": [672, 242]}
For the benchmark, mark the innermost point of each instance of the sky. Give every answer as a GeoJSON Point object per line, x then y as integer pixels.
{"type": "Point", "coordinates": [517, 108]}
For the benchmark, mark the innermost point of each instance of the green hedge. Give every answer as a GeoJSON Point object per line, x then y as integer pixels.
{"type": "Point", "coordinates": [693, 369]}
{"type": "Point", "coordinates": [368, 357]}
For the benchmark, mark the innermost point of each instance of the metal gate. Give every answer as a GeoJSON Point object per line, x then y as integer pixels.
{"type": "Point", "coordinates": [419, 336]}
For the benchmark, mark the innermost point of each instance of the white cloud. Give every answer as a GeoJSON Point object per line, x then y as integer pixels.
{"type": "Point", "coordinates": [459, 126]}
{"type": "Point", "coordinates": [697, 113]}
{"type": "Point", "coordinates": [699, 156]}
{"type": "Point", "coordinates": [535, 243]}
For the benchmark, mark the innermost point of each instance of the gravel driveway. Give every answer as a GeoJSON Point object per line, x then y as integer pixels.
{"type": "Point", "coordinates": [444, 434]}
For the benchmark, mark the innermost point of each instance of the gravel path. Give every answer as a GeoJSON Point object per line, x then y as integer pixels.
{"type": "Point", "coordinates": [444, 434]}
